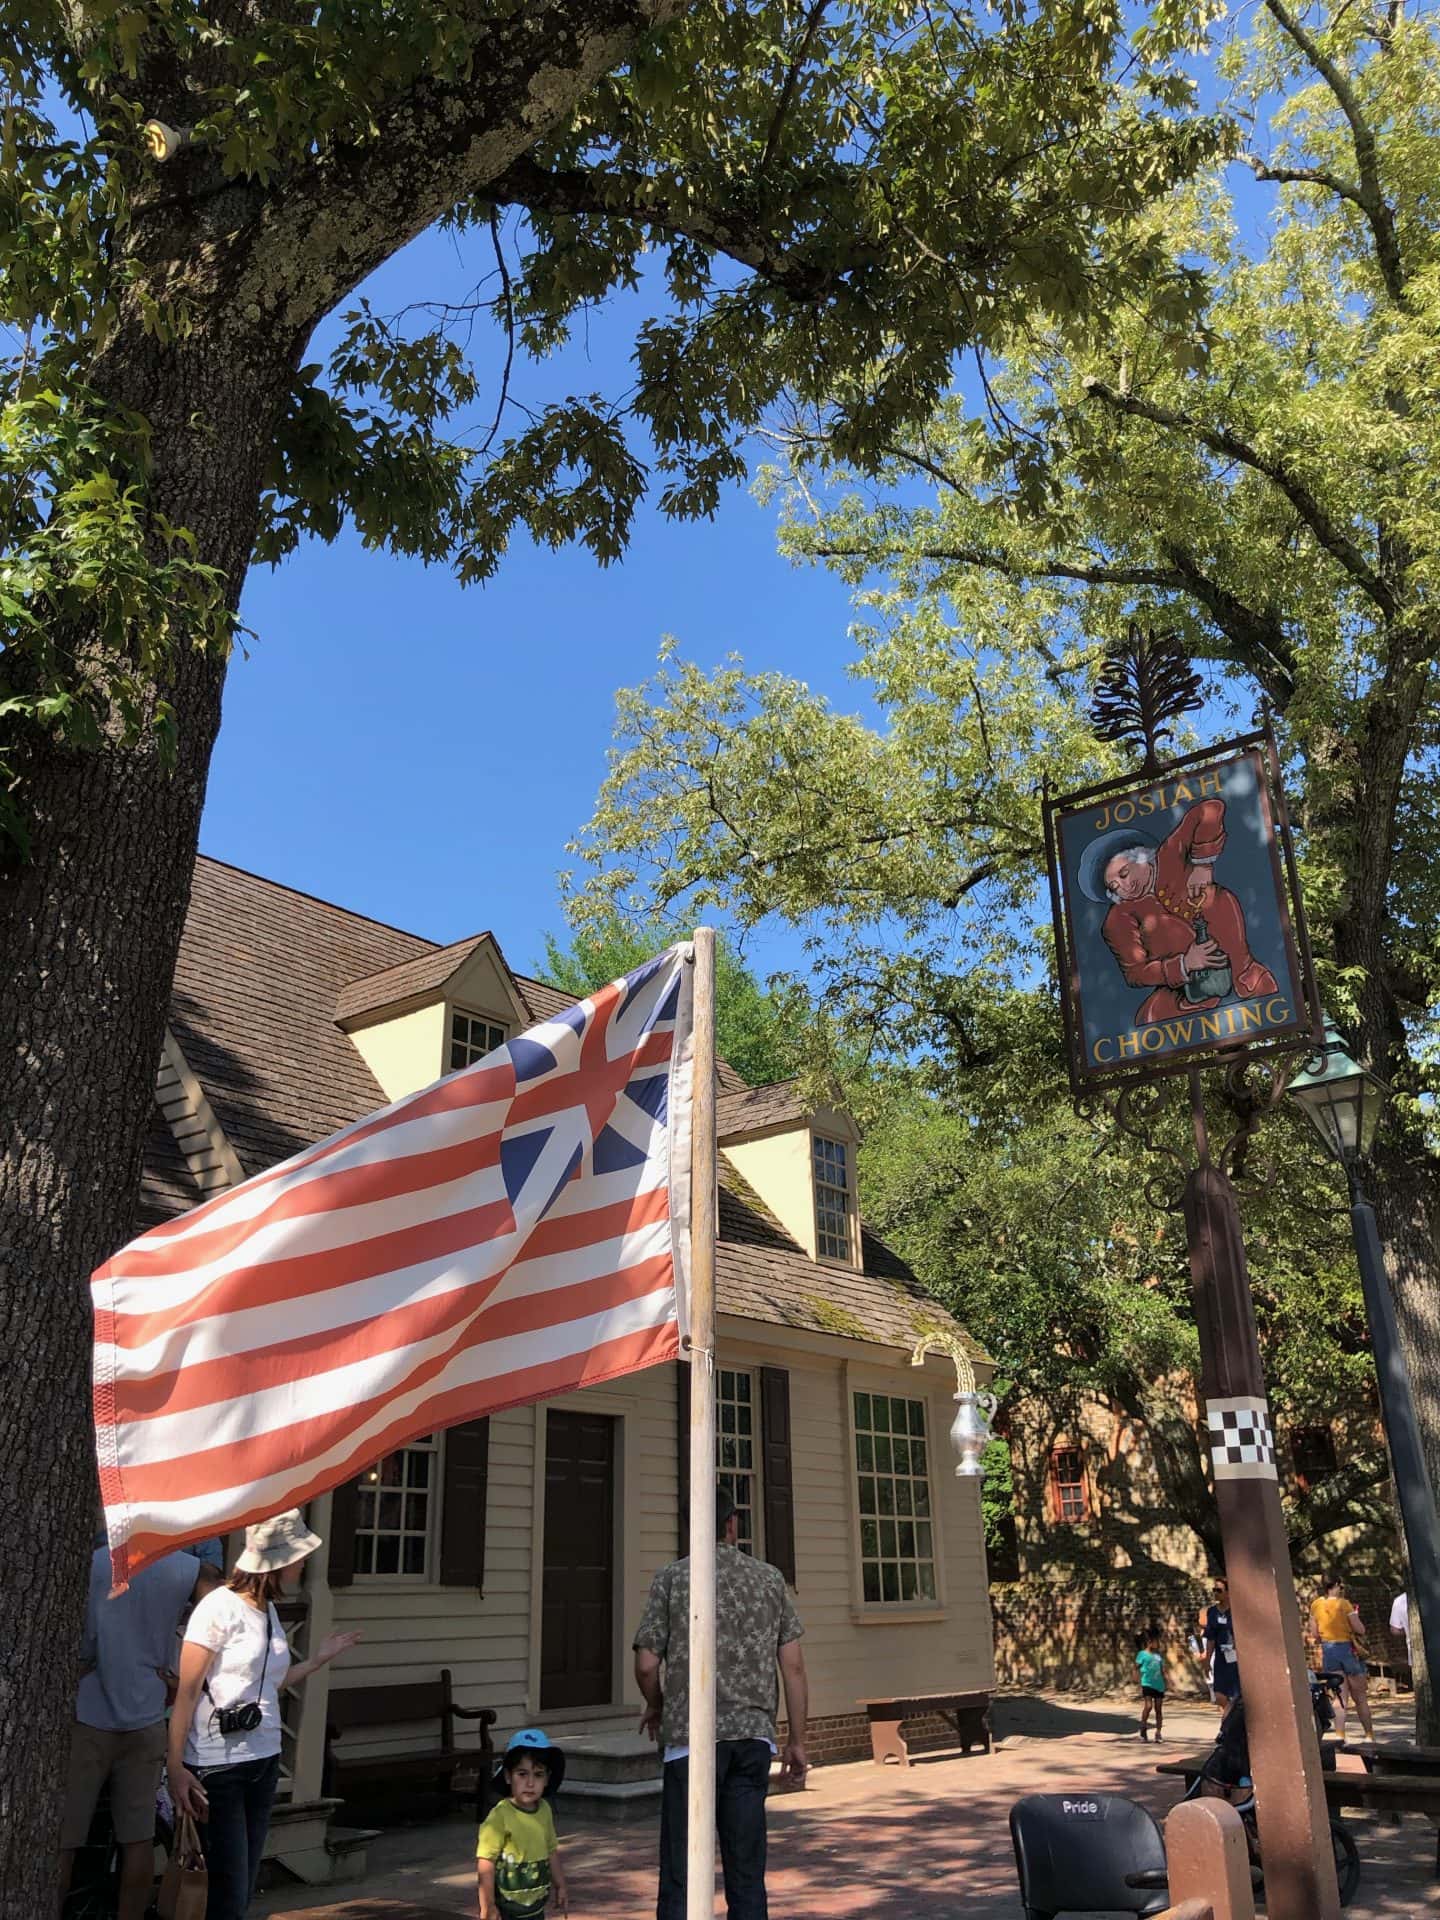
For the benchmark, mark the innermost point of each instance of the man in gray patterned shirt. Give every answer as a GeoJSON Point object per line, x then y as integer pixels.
{"type": "Point", "coordinates": [756, 1626]}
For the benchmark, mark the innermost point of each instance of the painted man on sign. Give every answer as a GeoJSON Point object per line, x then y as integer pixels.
{"type": "Point", "coordinates": [1171, 928]}
{"type": "Point", "coordinates": [1178, 929]}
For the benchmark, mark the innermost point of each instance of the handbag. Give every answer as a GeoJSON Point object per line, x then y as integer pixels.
{"type": "Point", "coordinates": [185, 1889]}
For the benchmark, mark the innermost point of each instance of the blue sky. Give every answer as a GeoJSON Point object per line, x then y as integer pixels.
{"type": "Point", "coordinates": [421, 752]}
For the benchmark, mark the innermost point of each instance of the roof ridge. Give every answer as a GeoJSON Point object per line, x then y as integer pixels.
{"type": "Point", "coordinates": [303, 893]}
{"type": "Point", "coordinates": [437, 947]}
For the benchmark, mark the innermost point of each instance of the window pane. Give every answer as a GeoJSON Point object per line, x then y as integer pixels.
{"type": "Point", "coordinates": [896, 1535]}
{"type": "Point", "coordinates": [735, 1449]}
{"type": "Point", "coordinates": [392, 1520]}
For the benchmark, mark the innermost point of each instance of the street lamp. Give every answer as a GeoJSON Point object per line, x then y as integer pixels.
{"type": "Point", "coordinates": [970, 1429]}
{"type": "Point", "coordinates": [1342, 1101]}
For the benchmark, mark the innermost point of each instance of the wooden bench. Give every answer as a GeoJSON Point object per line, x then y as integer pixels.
{"type": "Point", "coordinates": [1376, 1792]}
{"type": "Point", "coordinates": [968, 1713]}
{"type": "Point", "coordinates": [416, 1700]}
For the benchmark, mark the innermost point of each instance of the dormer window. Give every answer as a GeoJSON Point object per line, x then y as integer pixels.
{"type": "Point", "coordinates": [833, 1199]}
{"type": "Point", "coordinates": [471, 1038]}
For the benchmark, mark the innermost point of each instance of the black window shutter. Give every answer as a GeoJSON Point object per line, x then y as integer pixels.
{"type": "Point", "coordinates": [777, 1487]}
{"type": "Point", "coordinates": [462, 1513]}
{"type": "Point", "coordinates": [344, 1508]}
{"type": "Point", "coordinates": [682, 1454]}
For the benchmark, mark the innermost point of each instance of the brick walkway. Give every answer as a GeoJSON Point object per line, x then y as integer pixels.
{"type": "Point", "coordinates": [931, 1841]}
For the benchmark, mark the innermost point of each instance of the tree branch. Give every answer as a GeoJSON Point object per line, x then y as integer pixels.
{"type": "Point", "coordinates": [1220, 440]}
{"type": "Point", "coordinates": [994, 562]}
{"type": "Point", "coordinates": [1257, 635]}
{"type": "Point", "coordinates": [440, 141]}
{"type": "Point", "coordinates": [621, 195]}
{"type": "Point", "coordinates": [1371, 196]}
{"type": "Point", "coordinates": [1306, 177]}
{"type": "Point", "coordinates": [791, 83]}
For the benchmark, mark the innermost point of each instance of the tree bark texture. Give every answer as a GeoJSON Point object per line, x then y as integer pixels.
{"type": "Point", "coordinates": [1406, 1196]}
{"type": "Point", "coordinates": [89, 931]}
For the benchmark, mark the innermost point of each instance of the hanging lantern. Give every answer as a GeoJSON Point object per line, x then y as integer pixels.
{"type": "Point", "coordinates": [970, 1432]}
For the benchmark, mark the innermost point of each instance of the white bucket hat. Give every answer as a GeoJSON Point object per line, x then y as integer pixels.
{"type": "Point", "coordinates": [276, 1543]}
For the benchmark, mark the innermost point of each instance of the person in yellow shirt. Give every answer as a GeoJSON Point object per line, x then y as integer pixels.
{"type": "Point", "coordinates": [1342, 1646]}
{"type": "Point", "coordinates": [517, 1854]}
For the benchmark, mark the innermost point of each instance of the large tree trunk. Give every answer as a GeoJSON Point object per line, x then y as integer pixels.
{"type": "Point", "coordinates": [89, 930]}
{"type": "Point", "coordinates": [1406, 1197]}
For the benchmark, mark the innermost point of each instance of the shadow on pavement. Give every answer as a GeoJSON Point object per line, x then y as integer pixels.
{"type": "Point", "coordinates": [1038, 1718]}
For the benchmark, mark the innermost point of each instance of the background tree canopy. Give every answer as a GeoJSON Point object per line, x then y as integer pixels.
{"type": "Point", "coordinates": [1260, 478]}
{"type": "Point", "coordinates": [754, 1031]}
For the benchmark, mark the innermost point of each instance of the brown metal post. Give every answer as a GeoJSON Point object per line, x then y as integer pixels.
{"type": "Point", "coordinates": [1274, 1679]}
{"type": "Point", "coordinates": [1209, 1862]}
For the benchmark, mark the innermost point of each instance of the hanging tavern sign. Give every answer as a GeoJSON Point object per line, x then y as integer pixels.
{"type": "Point", "coordinates": [1176, 915]}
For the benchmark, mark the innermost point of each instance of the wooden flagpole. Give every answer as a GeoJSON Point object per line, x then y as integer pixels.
{"type": "Point", "coordinates": [700, 1853]}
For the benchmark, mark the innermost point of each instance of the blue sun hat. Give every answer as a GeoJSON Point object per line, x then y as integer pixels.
{"type": "Point", "coordinates": [537, 1743]}
{"type": "Point", "coordinates": [1098, 855]}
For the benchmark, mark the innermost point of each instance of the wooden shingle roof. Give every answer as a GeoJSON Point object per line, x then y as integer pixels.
{"type": "Point", "coordinates": [750, 1109]}
{"type": "Point", "coordinates": [262, 974]}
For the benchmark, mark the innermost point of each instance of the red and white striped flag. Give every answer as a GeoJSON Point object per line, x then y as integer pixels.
{"type": "Point", "coordinates": [517, 1230]}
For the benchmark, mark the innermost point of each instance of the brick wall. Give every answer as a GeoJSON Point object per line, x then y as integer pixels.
{"type": "Point", "coordinates": [1081, 1635]}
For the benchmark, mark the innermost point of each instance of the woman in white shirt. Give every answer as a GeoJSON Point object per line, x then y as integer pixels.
{"type": "Point", "coordinates": [224, 1760]}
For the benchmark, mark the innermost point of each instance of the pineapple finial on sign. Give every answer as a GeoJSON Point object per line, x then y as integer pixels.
{"type": "Point", "coordinates": [1146, 684]}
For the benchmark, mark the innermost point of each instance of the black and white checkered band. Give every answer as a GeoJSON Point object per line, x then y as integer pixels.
{"type": "Point", "coordinates": [1242, 1443]}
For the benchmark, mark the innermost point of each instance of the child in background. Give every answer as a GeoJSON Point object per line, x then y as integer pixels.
{"type": "Point", "coordinates": [517, 1856]}
{"type": "Point", "coordinates": [1152, 1683]}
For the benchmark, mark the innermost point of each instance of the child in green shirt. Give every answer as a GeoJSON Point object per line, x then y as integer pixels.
{"type": "Point", "coordinates": [517, 1856]}
{"type": "Point", "coordinates": [1152, 1683]}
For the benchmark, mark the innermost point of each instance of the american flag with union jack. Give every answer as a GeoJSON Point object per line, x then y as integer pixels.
{"type": "Point", "coordinates": [517, 1230]}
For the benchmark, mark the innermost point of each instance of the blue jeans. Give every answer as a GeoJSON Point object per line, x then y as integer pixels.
{"type": "Point", "coordinates": [1339, 1656]}
{"type": "Point", "coordinates": [742, 1777]}
{"type": "Point", "coordinates": [234, 1834]}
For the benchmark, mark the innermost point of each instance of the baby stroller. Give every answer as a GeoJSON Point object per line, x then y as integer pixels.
{"type": "Point", "coordinates": [1228, 1767]}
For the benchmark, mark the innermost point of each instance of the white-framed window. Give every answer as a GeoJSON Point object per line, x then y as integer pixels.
{"type": "Point", "coordinates": [892, 1470]}
{"type": "Point", "coordinates": [395, 1524]}
{"type": "Point", "coordinates": [735, 1448]}
{"type": "Point", "coordinates": [832, 1198]}
{"type": "Point", "coordinates": [472, 1037]}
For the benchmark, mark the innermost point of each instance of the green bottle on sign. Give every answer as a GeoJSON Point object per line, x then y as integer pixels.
{"type": "Point", "coordinates": [1208, 983]}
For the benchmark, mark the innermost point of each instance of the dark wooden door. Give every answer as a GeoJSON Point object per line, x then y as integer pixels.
{"type": "Point", "coordinates": [577, 1619]}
